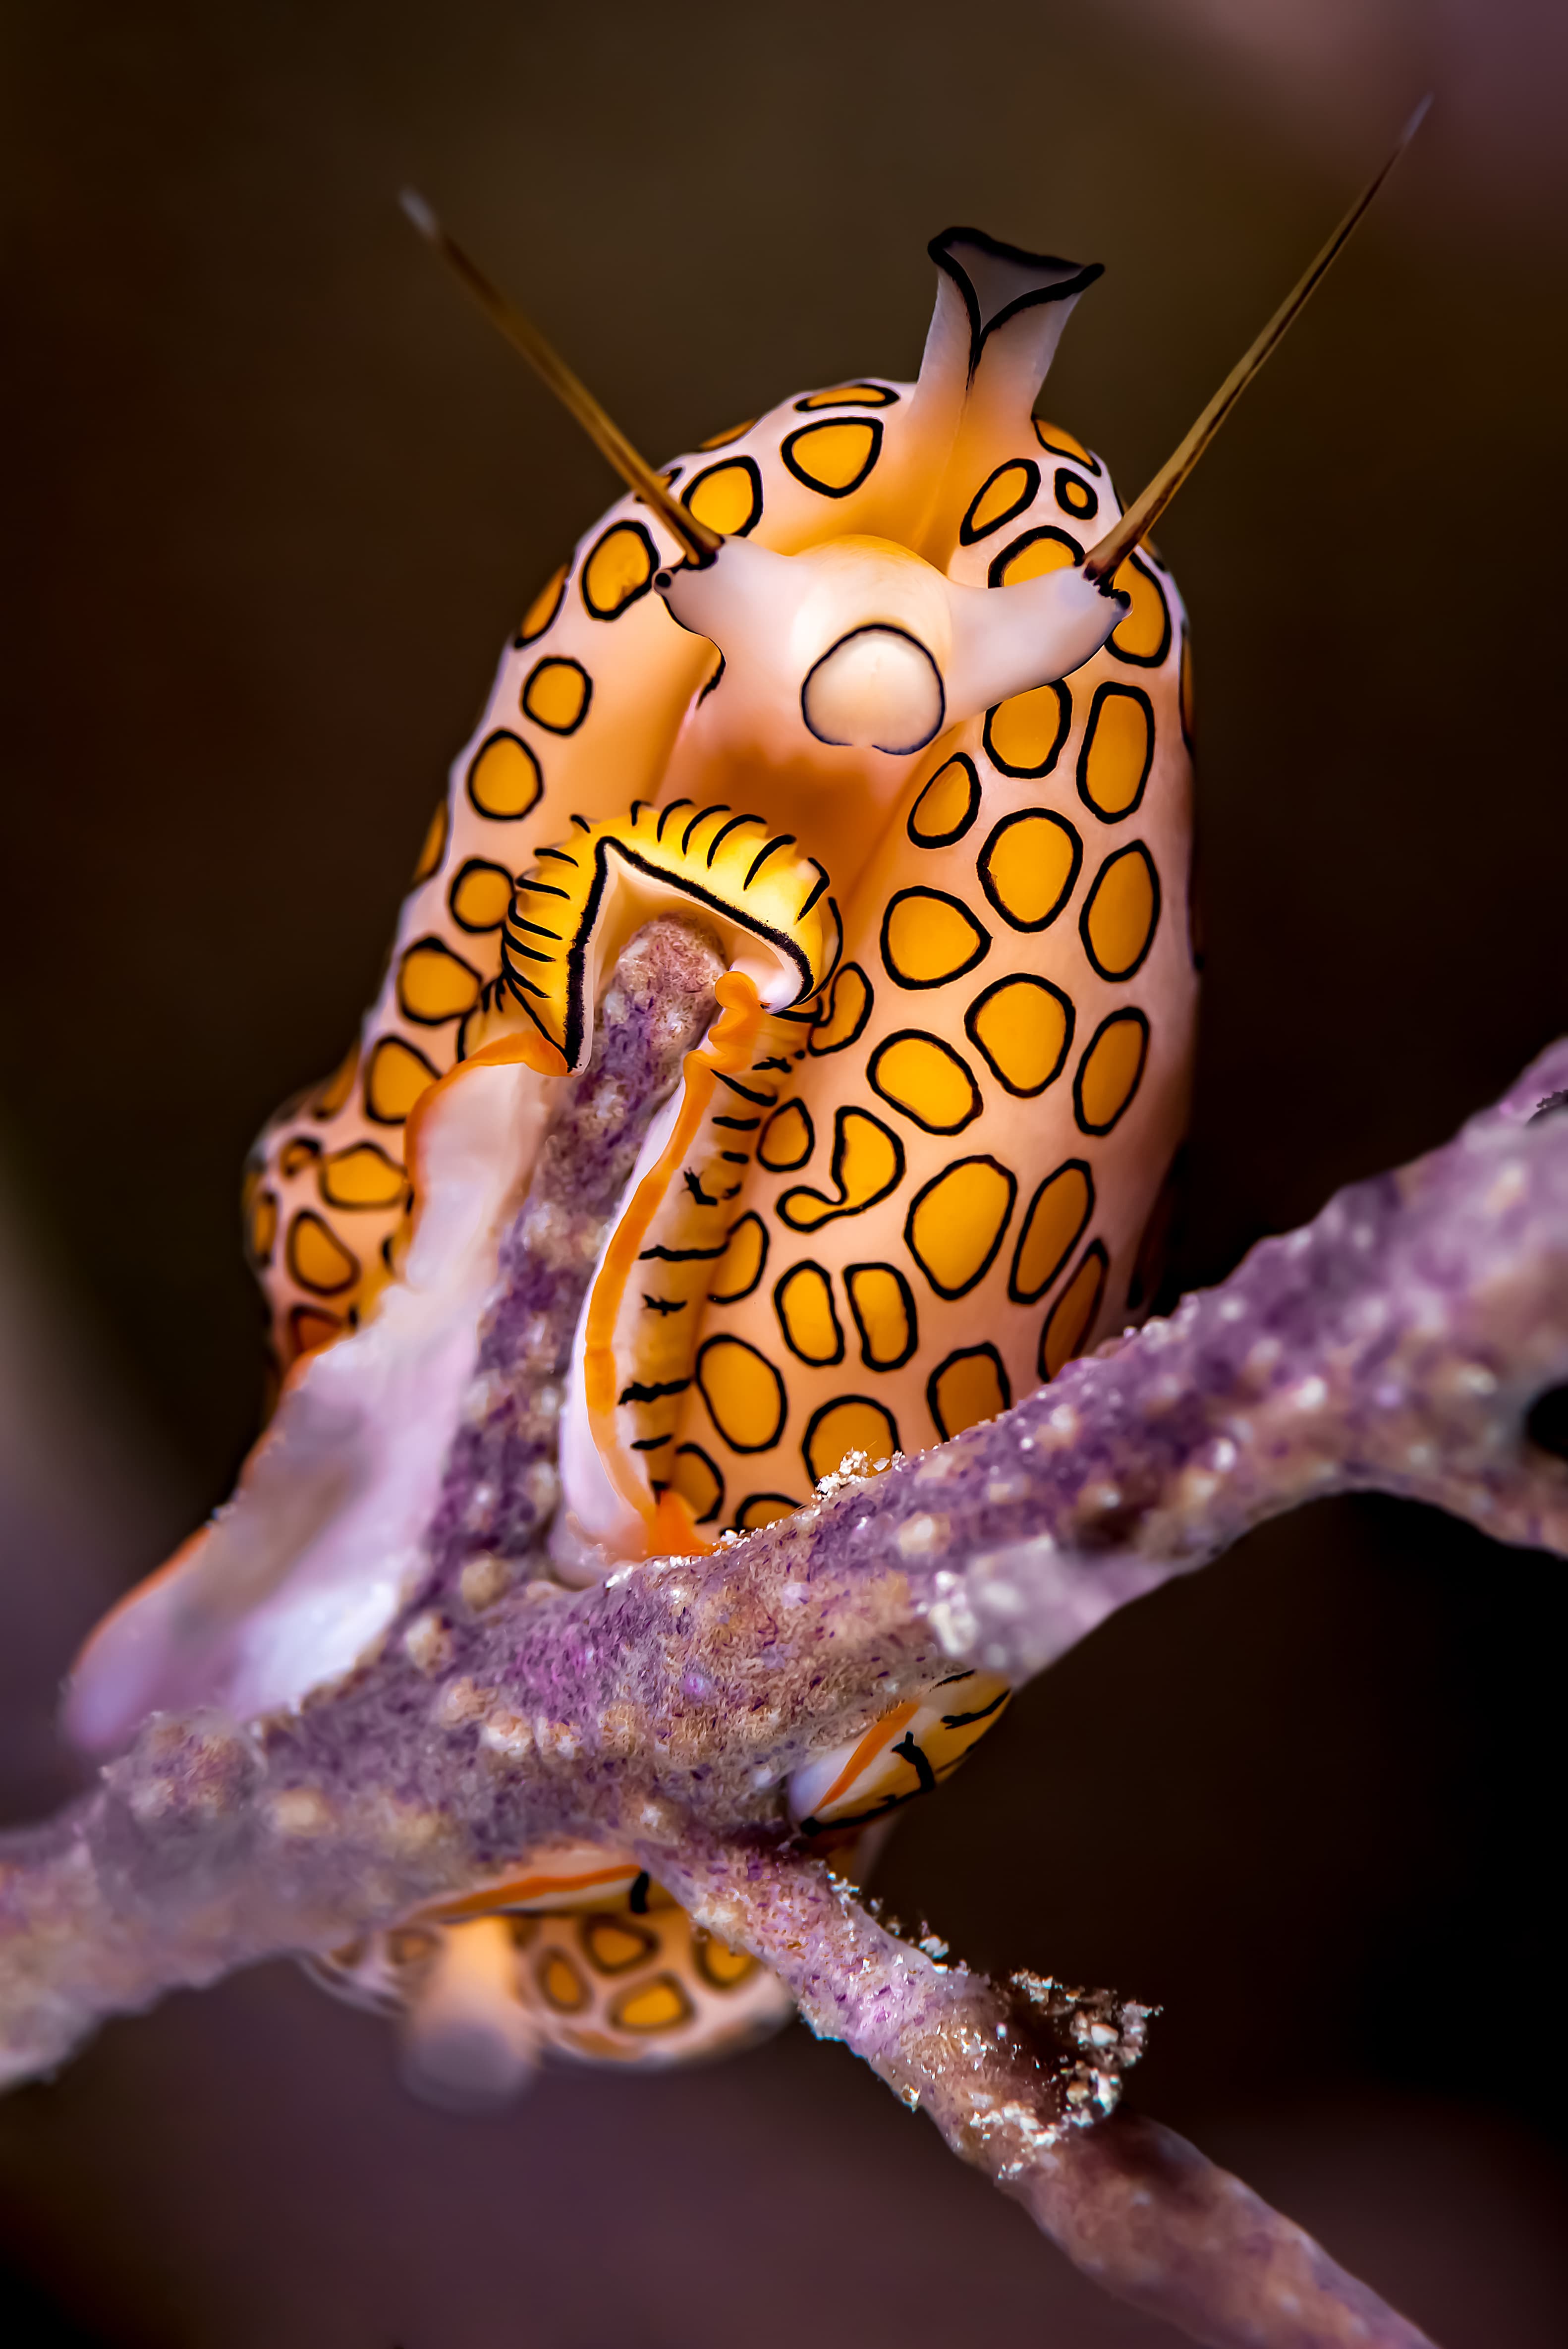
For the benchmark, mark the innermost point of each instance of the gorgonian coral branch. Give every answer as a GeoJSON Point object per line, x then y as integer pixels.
{"type": "Point", "coordinates": [1009, 2075]}
{"type": "Point", "coordinates": [1397, 1342]}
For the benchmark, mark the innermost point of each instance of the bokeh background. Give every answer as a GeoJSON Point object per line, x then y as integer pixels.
{"type": "Point", "coordinates": [274, 499]}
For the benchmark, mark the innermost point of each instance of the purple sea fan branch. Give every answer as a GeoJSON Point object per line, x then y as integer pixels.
{"type": "Point", "coordinates": [1397, 1342]}
{"type": "Point", "coordinates": [1017, 2079]}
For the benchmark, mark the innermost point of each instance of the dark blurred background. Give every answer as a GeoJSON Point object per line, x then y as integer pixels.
{"type": "Point", "coordinates": [274, 499]}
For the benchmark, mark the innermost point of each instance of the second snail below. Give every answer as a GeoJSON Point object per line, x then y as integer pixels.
{"type": "Point", "coordinates": [844, 701]}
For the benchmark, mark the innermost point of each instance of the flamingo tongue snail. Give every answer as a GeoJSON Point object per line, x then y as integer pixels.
{"type": "Point", "coordinates": [788, 1032]}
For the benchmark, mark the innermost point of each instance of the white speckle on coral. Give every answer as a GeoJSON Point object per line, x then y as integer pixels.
{"type": "Point", "coordinates": [483, 1580]}
{"type": "Point", "coordinates": [1001, 1598]}
{"type": "Point", "coordinates": [936, 1468]}
{"type": "Point", "coordinates": [486, 1394]}
{"type": "Point", "coordinates": [428, 1642]}
{"type": "Point", "coordinates": [543, 1486]}
{"type": "Point", "coordinates": [953, 1622]}
{"type": "Point", "coordinates": [507, 1735]}
{"type": "Point", "coordinates": [460, 1701]}
{"type": "Point", "coordinates": [402, 1827]}
{"type": "Point", "coordinates": [480, 1506]}
{"type": "Point", "coordinates": [298, 1811]}
{"type": "Point", "coordinates": [538, 1342]}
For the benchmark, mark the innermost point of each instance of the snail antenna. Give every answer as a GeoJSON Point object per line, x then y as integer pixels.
{"type": "Point", "coordinates": [700, 543]}
{"type": "Point", "coordinates": [1104, 559]}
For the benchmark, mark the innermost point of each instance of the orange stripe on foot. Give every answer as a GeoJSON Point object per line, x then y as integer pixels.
{"type": "Point", "coordinates": [873, 1742]}
{"type": "Point", "coordinates": [730, 1045]}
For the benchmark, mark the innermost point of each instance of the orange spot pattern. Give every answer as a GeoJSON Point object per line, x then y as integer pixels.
{"type": "Point", "coordinates": [888, 1237]}
{"type": "Point", "coordinates": [1015, 846]}
{"type": "Point", "coordinates": [1018, 865]}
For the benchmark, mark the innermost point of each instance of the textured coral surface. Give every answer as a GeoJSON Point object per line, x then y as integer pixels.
{"type": "Point", "coordinates": [1399, 1342]}
{"type": "Point", "coordinates": [500, 1483]}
